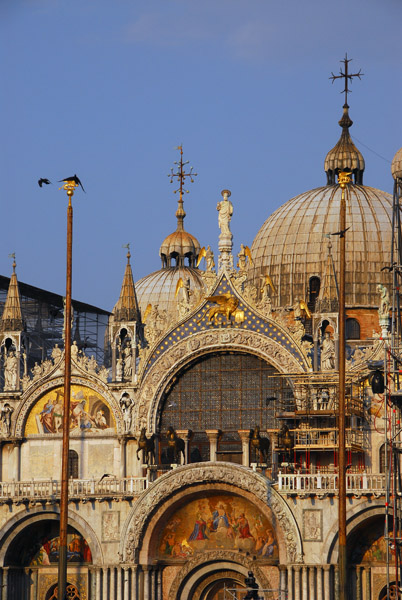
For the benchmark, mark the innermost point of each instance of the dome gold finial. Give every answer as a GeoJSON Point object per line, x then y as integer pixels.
{"type": "Point", "coordinates": [344, 155]}
{"type": "Point", "coordinates": [181, 177]}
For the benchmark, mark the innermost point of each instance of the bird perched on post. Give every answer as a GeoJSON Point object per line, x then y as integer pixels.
{"type": "Point", "coordinates": [74, 178]}
{"type": "Point", "coordinates": [43, 180]}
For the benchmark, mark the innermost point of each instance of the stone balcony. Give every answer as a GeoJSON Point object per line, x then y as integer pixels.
{"type": "Point", "coordinates": [37, 490]}
{"type": "Point", "coordinates": [321, 485]}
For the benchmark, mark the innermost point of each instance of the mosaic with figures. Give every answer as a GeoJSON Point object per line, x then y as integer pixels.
{"type": "Point", "coordinates": [218, 522]}
{"type": "Point", "coordinates": [89, 412]}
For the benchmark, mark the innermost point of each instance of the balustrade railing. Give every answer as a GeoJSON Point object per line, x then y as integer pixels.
{"type": "Point", "coordinates": [109, 486]}
{"type": "Point", "coordinates": [328, 482]}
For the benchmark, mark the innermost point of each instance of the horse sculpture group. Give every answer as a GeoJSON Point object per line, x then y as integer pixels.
{"type": "Point", "coordinates": [147, 446]}
{"type": "Point", "coordinates": [260, 444]}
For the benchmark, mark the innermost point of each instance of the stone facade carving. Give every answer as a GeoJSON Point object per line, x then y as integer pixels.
{"type": "Point", "coordinates": [239, 477]}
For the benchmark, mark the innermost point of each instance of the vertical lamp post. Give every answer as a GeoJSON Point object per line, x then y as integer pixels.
{"type": "Point", "coordinates": [69, 186]}
{"type": "Point", "coordinates": [344, 180]}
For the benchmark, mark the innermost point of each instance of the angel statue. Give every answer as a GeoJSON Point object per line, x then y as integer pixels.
{"type": "Point", "coordinates": [266, 283]}
{"type": "Point", "coordinates": [243, 255]}
{"type": "Point", "coordinates": [297, 310]}
{"type": "Point", "coordinates": [183, 295]}
{"type": "Point", "coordinates": [209, 259]}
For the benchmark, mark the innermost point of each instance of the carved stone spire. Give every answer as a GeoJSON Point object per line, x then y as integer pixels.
{"type": "Point", "coordinates": [126, 308]}
{"type": "Point", "coordinates": [328, 298]}
{"type": "Point", "coordinates": [11, 319]}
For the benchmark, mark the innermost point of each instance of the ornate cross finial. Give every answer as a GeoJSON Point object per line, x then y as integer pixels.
{"type": "Point", "coordinates": [13, 257]}
{"type": "Point", "coordinates": [346, 76]}
{"type": "Point", "coordinates": [128, 250]}
{"type": "Point", "coordinates": [181, 174]}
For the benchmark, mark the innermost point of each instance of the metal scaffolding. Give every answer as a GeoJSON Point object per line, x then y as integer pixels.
{"type": "Point", "coordinates": [43, 321]}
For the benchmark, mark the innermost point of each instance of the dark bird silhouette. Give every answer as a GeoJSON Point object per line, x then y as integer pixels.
{"type": "Point", "coordinates": [341, 233]}
{"type": "Point", "coordinates": [391, 268]}
{"type": "Point", "coordinates": [76, 180]}
{"type": "Point", "coordinates": [43, 180]}
{"type": "Point", "coordinates": [106, 474]}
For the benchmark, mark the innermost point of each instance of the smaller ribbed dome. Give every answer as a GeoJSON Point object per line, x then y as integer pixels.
{"type": "Point", "coordinates": [180, 244]}
{"type": "Point", "coordinates": [159, 288]}
{"type": "Point", "coordinates": [344, 155]}
{"type": "Point", "coordinates": [396, 166]}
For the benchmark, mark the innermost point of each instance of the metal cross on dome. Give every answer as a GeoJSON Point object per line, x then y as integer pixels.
{"type": "Point", "coordinates": [346, 76]}
{"type": "Point", "coordinates": [181, 174]}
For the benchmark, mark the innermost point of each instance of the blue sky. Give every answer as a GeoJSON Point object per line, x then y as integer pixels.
{"type": "Point", "coordinates": [107, 90]}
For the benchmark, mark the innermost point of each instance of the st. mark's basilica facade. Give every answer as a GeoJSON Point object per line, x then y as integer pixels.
{"type": "Point", "coordinates": [203, 419]}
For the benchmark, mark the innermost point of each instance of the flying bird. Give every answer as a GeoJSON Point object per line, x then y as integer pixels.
{"type": "Point", "coordinates": [106, 474]}
{"type": "Point", "coordinates": [43, 180]}
{"type": "Point", "coordinates": [74, 178]}
{"type": "Point", "coordinates": [341, 233]}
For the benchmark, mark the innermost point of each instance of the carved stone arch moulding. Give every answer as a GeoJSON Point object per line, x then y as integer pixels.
{"type": "Point", "coordinates": [26, 517]}
{"type": "Point", "coordinates": [217, 556]}
{"type": "Point", "coordinates": [33, 394]}
{"type": "Point", "coordinates": [354, 518]}
{"type": "Point", "coordinates": [206, 342]}
{"type": "Point", "coordinates": [240, 478]}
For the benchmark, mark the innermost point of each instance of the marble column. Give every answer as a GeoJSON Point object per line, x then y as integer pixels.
{"type": "Point", "coordinates": [282, 582]}
{"type": "Point", "coordinates": [185, 435]}
{"type": "Point", "coordinates": [146, 583]}
{"type": "Point", "coordinates": [213, 436]}
{"type": "Point", "coordinates": [17, 460]}
{"type": "Point", "coordinates": [98, 584]}
{"type": "Point", "coordinates": [119, 582]}
{"type": "Point", "coordinates": [327, 584]}
{"type": "Point", "coordinates": [4, 586]}
{"type": "Point", "coordinates": [320, 595]}
{"type": "Point", "coordinates": [152, 577]}
{"type": "Point", "coordinates": [123, 461]}
{"type": "Point", "coordinates": [359, 587]}
{"type": "Point", "coordinates": [336, 581]}
{"type": "Point", "coordinates": [159, 590]}
{"type": "Point", "coordinates": [296, 570]}
{"type": "Point", "coordinates": [245, 446]}
{"type": "Point", "coordinates": [104, 583]}
{"type": "Point", "coordinates": [290, 583]}
{"type": "Point", "coordinates": [92, 583]}
{"type": "Point", "coordinates": [134, 595]}
{"type": "Point", "coordinates": [112, 589]}
{"type": "Point", "coordinates": [304, 583]}
{"type": "Point", "coordinates": [114, 360]}
{"type": "Point", "coordinates": [126, 580]}
{"type": "Point", "coordinates": [368, 582]}
{"type": "Point", "coordinates": [311, 580]}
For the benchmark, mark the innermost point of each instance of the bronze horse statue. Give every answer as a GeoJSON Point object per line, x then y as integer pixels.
{"type": "Point", "coordinates": [260, 444]}
{"type": "Point", "coordinates": [286, 442]}
{"type": "Point", "coordinates": [175, 446]}
{"type": "Point", "coordinates": [147, 445]}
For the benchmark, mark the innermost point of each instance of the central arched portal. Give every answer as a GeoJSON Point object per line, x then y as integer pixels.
{"type": "Point", "coordinates": [220, 585]}
{"type": "Point", "coordinates": [216, 580]}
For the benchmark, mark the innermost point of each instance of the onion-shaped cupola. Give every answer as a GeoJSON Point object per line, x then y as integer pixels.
{"type": "Point", "coordinates": [396, 166]}
{"type": "Point", "coordinates": [344, 156]}
{"type": "Point", "coordinates": [180, 248]}
{"type": "Point", "coordinates": [179, 253]}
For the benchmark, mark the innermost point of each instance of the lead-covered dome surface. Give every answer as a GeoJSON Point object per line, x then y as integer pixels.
{"type": "Point", "coordinates": [291, 246]}
{"type": "Point", "coordinates": [159, 288]}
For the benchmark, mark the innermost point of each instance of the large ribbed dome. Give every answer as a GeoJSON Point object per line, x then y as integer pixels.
{"type": "Point", "coordinates": [292, 248]}
{"type": "Point", "coordinates": [159, 288]}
